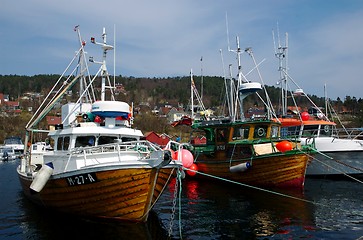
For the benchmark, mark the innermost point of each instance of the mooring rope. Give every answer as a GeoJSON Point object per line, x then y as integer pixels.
{"type": "Point", "coordinates": [254, 187]}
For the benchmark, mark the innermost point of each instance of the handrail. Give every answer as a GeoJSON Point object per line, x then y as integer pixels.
{"type": "Point", "coordinates": [141, 147]}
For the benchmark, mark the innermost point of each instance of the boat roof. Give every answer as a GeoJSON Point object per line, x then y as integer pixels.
{"type": "Point", "coordinates": [290, 122]}
{"type": "Point", "coordinates": [223, 123]}
{"type": "Point", "coordinates": [97, 130]}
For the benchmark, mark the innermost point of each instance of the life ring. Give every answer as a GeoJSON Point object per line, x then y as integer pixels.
{"type": "Point", "coordinates": [260, 132]}
{"type": "Point", "coordinates": [326, 128]}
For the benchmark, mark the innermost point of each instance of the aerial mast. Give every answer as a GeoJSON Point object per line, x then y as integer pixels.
{"type": "Point", "coordinates": [281, 53]}
{"type": "Point", "coordinates": [104, 73]}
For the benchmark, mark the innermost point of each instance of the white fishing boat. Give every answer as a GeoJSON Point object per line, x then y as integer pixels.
{"type": "Point", "coordinates": [95, 165]}
{"type": "Point", "coordinates": [15, 143]}
{"type": "Point", "coordinates": [341, 151]}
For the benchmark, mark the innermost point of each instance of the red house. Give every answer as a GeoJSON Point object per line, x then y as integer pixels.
{"type": "Point", "coordinates": [52, 121]}
{"type": "Point", "coordinates": [199, 140]}
{"type": "Point", "coordinates": [160, 139]}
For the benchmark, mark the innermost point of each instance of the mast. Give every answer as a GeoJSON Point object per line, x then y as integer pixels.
{"type": "Point", "coordinates": [103, 68]}
{"type": "Point", "coordinates": [201, 72]}
{"type": "Point", "coordinates": [191, 92]}
{"type": "Point", "coordinates": [282, 54]}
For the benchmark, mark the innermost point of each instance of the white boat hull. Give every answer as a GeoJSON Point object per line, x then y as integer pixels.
{"type": "Point", "coordinates": [338, 157]}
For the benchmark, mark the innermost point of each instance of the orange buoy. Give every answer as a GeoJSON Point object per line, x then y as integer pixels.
{"type": "Point", "coordinates": [305, 116]}
{"type": "Point", "coordinates": [193, 167]}
{"type": "Point", "coordinates": [284, 146]}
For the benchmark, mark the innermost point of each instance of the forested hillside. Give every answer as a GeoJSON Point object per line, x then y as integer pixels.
{"type": "Point", "coordinates": [158, 91]}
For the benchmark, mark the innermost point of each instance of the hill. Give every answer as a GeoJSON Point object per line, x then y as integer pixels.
{"type": "Point", "coordinates": [154, 92]}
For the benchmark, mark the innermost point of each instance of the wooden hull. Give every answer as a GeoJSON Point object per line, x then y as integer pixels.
{"type": "Point", "coordinates": [285, 170]}
{"type": "Point", "coordinates": [120, 194]}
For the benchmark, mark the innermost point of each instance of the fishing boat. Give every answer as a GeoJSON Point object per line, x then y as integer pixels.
{"type": "Point", "coordinates": [247, 151]}
{"type": "Point", "coordinates": [340, 150]}
{"type": "Point", "coordinates": [95, 164]}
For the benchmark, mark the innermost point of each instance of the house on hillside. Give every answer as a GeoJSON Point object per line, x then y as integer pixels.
{"type": "Point", "coordinates": [160, 139]}
{"type": "Point", "coordinates": [175, 114]}
{"type": "Point", "coordinates": [9, 106]}
{"type": "Point", "coordinates": [198, 140]}
{"type": "Point", "coordinates": [52, 121]}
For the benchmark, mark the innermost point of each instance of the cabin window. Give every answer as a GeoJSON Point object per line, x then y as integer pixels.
{"type": "Point", "coordinates": [274, 131]}
{"type": "Point", "coordinates": [222, 134]}
{"type": "Point", "coordinates": [84, 141]}
{"type": "Point", "coordinates": [310, 130]}
{"type": "Point", "coordinates": [66, 141]}
{"type": "Point", "coordinates": [63, 143]}
{"type": "Point", "coordinates": [260, 131]}
{"type": "Point", "coordinates": [241, 132]}
{"type": "Point", "coordinates": [292, 131]}
{"type": "Point", "coordinates": [106, 140]}
{"type": "Point", "coordinates": [128, 139]}
{"type": "Point", "coordinates": [50, 141]}
{"type": "Point", "coordinates": [59, 143]}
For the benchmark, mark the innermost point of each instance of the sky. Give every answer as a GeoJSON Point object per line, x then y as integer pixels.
{"type": "Point", "coordinates": [167, 38]}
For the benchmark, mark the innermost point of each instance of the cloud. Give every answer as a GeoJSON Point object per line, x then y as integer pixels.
{"type": "Point", "coordinates": [167, 38]}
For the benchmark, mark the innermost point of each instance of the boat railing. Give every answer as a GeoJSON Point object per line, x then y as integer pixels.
{"type": "Point", "coordinates": [140, 146]}
{"type": "Point", "coordinates": [143, 148]}
{"type": "Point", "coordinates": [350, 133]}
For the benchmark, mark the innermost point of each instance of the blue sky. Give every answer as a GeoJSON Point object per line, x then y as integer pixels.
{"type": "Point", "coordinates": [167, 38]}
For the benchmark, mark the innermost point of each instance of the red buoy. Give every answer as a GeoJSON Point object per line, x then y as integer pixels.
{"type": "Point", "coordinates": [193, 167]}
{"type": "Point", "coordinates": [186, 157]}
{"type": "Point", "coordinates": [305, 116]}
{"type": "Point", "coordinates": [284, 146]}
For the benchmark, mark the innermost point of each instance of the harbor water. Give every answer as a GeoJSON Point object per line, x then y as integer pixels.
{"type": "Point", "coordinates": [325, 209]}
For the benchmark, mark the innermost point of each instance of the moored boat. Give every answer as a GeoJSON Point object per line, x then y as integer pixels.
{"type": "Point", "coordinates": [248, 151]}
{"type": "Point", "coordinates": [337, 156]}
{"type": "Point", "coordinates": [14, 143]}
{"type": "Point", "coordinates": [340, 152]}
{"type": "Point", "coordinates": [95, 165]}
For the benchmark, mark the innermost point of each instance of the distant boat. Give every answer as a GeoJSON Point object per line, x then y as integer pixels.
{"type": "Point", "coordinates": [341, 152]}
{"type": "Point", "coordinates": [95, 165]}
{"type": "Point", "coordinates": [248, 151]}
{"type": "Point", "coordinates": [15, 143]}
{"type": "Point", "coordinates": [7, 153]}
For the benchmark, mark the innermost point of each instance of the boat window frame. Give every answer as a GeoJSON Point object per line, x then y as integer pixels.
{"type": "Point", "coordinates": [221, 134]}
{"type": "Point", "coordinates": [85, 141]}
{"type": "Point", "coordinates": [310, 130]}
{"type": "Point", "coordinates": [63, 143]}
{"type": "Point", "coordinates": [59, 143]}
{"type": "Point", "coordinates": [237, 135]}
{"type": "Point", "coordinates": [106, 139]}
{"type": "Point", "coordinates": [275, 131]}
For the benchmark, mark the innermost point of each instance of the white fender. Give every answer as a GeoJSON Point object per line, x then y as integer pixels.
{"type": "Point", "coordinates": [42, 177]}
{"type": "Point", "coordinates": [240, 167]}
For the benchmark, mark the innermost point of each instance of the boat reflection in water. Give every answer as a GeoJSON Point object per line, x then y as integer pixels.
{"type": "Point", "coordinates": [231, 211]}
{"type": "Point", "coordinates": [42, 224]}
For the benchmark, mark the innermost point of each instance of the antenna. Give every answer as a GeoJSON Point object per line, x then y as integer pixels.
{"type": "Point", "coordinates": [114, 56]}
{"type": "Point", "coordinates": [201, 72]}
{"type": "Point", "coordinates": [191, 92]}
{"type": "Point", "coordinates": [229, 49]}
{"type": "Point", "coordinates": [281, 54]}
{"type": "Point", "coordinates": [103, 68]}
